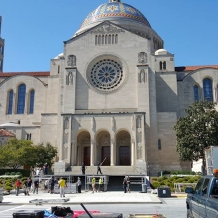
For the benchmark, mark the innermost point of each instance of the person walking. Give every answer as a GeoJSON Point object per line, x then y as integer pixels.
{"type": "Point", "coordinates": [36, 186]}
{"type": "Point", "coordinates": [124, 184]}
{"type": "Point", "coordinates": [62, 184]}
{"type": "Point", "coordinates": [79, 183]}
{"type": "Point", "coordinates": [17, 186]}
{"type": "Point", "coordinates": [52, 184]}
{"type": "Point", "coordinates": [128, 184]}
{"type": "Point", "coordinates": [28, 185]}
{"type": "Point", "coordinates": [99, 168]}
{"type": "Point", "coordinates": [83, 168]}
{"type": "Point", "coordinates": [100, 184]}
{"type": "Point", "coordinates": [93, 185]}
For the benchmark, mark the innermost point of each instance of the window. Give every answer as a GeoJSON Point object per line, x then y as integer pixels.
{"type": "Point", "coordinates": [205, 185]}
{"type": "Point", "coordinates": [21, 99]}
{"type": "Point", "coordinates": [198, 188]}
{"type": "Point", "coordinates": [196, 93]}
{"type": "Point", "coordinates": [208, 93]}
{"type": "Point", "coordinates": [10, 101]}
{"type": "Point", "coordinates": [161, 65]}
{"type": "Point", "coordinates": [32, 96]}
{"type": "Point", "coordinates": [164, 65]}
{"type": "Point", "coordinates": [159, 144]}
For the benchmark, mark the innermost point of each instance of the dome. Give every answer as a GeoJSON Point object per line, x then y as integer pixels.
{"type": "Point", "coordinates": [161, 52]}
{"type": "Point", "coordinates": [61, 55]}
{"type": "Point", "coordinates": [117, 12]}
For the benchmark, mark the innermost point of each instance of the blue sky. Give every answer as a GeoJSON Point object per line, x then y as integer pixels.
{"type": "Point", "coordinates": [34, 31]}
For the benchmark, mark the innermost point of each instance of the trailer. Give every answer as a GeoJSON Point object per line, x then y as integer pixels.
{"type": "Point", "coordinates": [211, 157]}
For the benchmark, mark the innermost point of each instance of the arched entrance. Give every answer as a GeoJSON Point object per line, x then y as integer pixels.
{"type": "Point", "coordinates": [83, 148]}
{"type": "Point", "coordinates": [123, 148]}
{"type": "Point", "coordinates": [103, 148]}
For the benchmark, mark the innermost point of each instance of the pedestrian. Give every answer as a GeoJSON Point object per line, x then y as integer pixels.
{"type": "Point", "coordinates": [52, 184]}
{"type": "Point", "coordinates": [45, 167]}
{"type": "Point", "coordinates": [124, 184]}
{"type": "Point", "coordinates": [128, 184]}
{"type": "Point", "coordinates": [99, 168]}
{"type": "Point", "coordinates": [79, 183]}
{"type": "Point", "coordinates": [46, 184]}
{"type": "Point", "coordinates": [93, 185]}
{"type": "Point", "coordinates": [17, 186]}
{"type": "Point", "coordinates": [36, 186]}
{"type": "Point", "coordinates": [100, 184]}
{"type": "Point", "coordinates": [28, 185]}
{"type": "Point", "coordinates": [62, 184]}
{"type": "Point", "coordinates": [83, 168]}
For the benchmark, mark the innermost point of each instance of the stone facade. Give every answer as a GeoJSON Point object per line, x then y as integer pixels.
{"type": "Point", "coordinates": [114, 93]}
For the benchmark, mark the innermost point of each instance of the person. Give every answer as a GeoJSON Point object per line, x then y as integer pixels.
{"type": "Point", "coordinates": [52, 184]}
{"type": "Point", "coordinates": [128, 184]}
{"type": "Point", "coordinates": [17, 186]}
{"type": "Point", "coordinates": [28, 185]}
{"type": "Point", "coordinates": [79, 183]}
{"type": "Point", "coordinates": [46, 184]}
{"type": "Point", "coordinates": [83, 168]}
{"type": "Point", "coordinates": [62, 184]}
{"type": "Point", "coordinates": [93, 185]}
{"type": "Point", "coordinates": [100, 184]}
{"type": "Point", "coordinates": [99, 168]}
{"type": "Point", "coordinates": [36, 186]}
{"type": "Point", "coordinates": [45, 169]}
{"type": "Point", "coordinates": [124, 184]}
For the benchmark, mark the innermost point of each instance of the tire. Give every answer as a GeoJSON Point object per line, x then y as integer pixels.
{"type": "Point", "coordinates": [189, 213]}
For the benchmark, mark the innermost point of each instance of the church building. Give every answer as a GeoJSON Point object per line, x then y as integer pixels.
{"type": "Point", "coordinates": [113, 96]}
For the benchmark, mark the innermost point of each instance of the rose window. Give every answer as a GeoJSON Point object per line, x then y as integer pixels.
{"type": "Point", "coordinates": [106, 75]}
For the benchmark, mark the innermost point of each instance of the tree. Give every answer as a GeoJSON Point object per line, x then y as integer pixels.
{"type": "Point", "coordinates": [197, 131]}
{"type": "Point", "coordinates": [12, 153]}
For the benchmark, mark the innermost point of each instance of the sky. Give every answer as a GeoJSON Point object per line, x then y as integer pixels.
{"type": "Point", "coordinates": [34, 31]}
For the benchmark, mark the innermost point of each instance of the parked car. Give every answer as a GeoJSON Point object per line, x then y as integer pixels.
{"type": "Point", "coordinates": [202, 202]}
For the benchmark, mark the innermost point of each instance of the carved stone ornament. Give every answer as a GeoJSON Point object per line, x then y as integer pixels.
{"type": "Point", "coordinates": [107, 28]}
{"type": "Point", "coordinates": [69, 79]}
{"type": "Point", "coordinates": [86, 140]}
{"type": "Point", "coordinates": [139, 122]}
{"type": "Point", "coordinates": [139, 152]}
{"type": "Point", "coordinates": [105, 140]}
{"type": "Point", "coordinates": [71, 61]}
{"type": "Point", "coordinates": [142, 58]}
{"type": "Point", "coordinates": [113, 123]}
{"type": "Point", "coordinates": [142, 76]}
{"type": "Point", "coordinates": [66, 123]}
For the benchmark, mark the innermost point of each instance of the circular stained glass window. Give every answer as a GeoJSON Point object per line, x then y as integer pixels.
{"type": "Point", "coordinates": [106, 75]}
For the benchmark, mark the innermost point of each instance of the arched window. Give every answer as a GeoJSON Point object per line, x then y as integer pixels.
{"type": "Point", "coordinates": [159, 144]}
{"type": "Point", "coordinates": [32, 96]}
{"type": "Point", "coordinates": [103, 39]}
{"type": "Point", "coordinates": [96, 40]}
{"type": "Point", "coordinates": [10, 101]}
{"type": "Point", "coordinates": [164, 65]}
{"type": "Point", "coordinates": [196, 93]}
{"type": "Point", "coordinates": [116, 38]}
{"type": "Point", "coordinates": [106, 39]}
{"type": "Point", "coordinates": [208, 92]}
{"type": "Point", "coordinates": [109, 39]}
{"type": "Point", "coordinates": [161, 65]}
{"type": "Point", "coordinates": [21, 99]}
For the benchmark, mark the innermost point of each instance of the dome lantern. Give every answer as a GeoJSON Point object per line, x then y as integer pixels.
{"type": "Point", "coordinates": [111, 1]}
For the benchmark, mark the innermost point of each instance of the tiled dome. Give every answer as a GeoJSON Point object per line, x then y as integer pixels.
{"type": "Point", "coordinates": [115, 11]}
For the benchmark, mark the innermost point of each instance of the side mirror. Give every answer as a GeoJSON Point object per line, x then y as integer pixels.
{"type": "Point", "coordinates": [189, 190]}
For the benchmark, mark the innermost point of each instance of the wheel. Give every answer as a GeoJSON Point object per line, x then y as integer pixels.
{"type": "Point", "coordinates": [189, 214]}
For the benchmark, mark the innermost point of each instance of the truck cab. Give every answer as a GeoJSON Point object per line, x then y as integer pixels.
{"type": "Point", "coordinates": [202, 202]}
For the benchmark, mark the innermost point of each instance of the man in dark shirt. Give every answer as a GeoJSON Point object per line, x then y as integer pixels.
{"type": "Point", "coordinates": [52, 185]}
{"type": "Point", "coordinates": [99, 168]}
{"type": "Point", "coordinates": [36, 186]}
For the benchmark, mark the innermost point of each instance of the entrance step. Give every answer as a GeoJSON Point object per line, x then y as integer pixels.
{"type": "Point", "coordinates": [107, 170]}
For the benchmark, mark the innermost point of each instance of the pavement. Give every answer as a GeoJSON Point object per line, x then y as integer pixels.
{"type": "Point", "coordinates": [87, 198]}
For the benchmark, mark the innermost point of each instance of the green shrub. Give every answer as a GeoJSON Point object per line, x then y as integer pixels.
{"type": "Point", "coordinates": [7, 174]}
{"type": "Point", "coordinates": [19, 174]}
{"type": "Point", "coordinates": [156, 184]}
{"type": "Point", "coordinates": [13, 173]}
{"type": "Point", "coordinates": [8, 188]}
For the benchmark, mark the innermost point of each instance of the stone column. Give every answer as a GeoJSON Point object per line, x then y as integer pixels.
{"type": "Point", "coordinates": [92, 153]}
{"type": "Point", "coordinates": [133, 153]}
{"type": "Point", "coordinates": [69, 142]}
{"type": "Point", "coordinates": [14, 109]}
{"type": "Point", "coordinates": [112, 152]}
{"type": "Point", "coordinates": [62, 139]}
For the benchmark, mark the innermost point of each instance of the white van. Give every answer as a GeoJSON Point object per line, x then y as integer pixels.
{"type": "Point", "coordinates": [1, 194]}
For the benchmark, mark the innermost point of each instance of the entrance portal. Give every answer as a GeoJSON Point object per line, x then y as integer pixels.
{"type": "Point", "coordinates": [86, 156]}
{"type": "Point", "coordinates": [105, 154]}
{"type": "Point", "coordinates": [124, 156]}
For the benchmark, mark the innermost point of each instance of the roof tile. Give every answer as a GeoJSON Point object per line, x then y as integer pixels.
{"type": "Point", "coordinates": [6, 133]}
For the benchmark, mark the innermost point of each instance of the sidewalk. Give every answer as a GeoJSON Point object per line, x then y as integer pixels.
{"type": "Point", "coordinates": [86, 198]}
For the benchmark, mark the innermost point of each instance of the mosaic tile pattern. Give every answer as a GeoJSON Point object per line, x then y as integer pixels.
{"type": "Point", "coordinates": [115, 10]}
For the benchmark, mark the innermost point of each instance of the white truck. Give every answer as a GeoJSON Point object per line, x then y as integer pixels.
{"type": "Point", "coordinates": [211, 157]}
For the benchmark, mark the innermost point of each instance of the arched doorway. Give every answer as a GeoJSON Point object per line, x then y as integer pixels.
{"type": "Point", "coordinates": [103, 148]}
{"type": "Point", "coordinates": [83, 148]}
{"type": "Point", "coordinates": [123, 148]}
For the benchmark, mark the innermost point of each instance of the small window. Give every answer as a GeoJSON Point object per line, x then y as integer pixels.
{"type": "Point", "coordinates": [96, 40]}
{"type": "Point", "coordinates": [106, 39]}
{"type": "Point", "coordinates": [161, 65]}
{"type": "Point", "coordinates": [208, 92]}
{"type": "Point", "coordinates": [164, 65]}
{"type": "Point", "coordinates": [196, 93]}
{"type": "Point", "coordinates": [205, 186]}
{"type": "Point", "coordinates": [159, 144]}
{"type": "Point", "coordinates": [10, 101]}
{"type": "Point", "coordinates": [109, 39]}
{"type": "Point", "coordinates": [102, 39]}
{"type": "Point", "coordinates": [21, 99]}
{"type": "Point", "coordinates": [198, 188]}
{"type": "Point", "coordinates": [32, 98]}
{"type": "Point", "coordinates": [116, 38]}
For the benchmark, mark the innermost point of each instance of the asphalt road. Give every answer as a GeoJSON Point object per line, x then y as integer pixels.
{"type": "Point", "coordinates": [171, 208]}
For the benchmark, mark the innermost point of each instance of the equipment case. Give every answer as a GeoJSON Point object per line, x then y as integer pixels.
{"type": "Point", "coordinates": [29, 214]}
